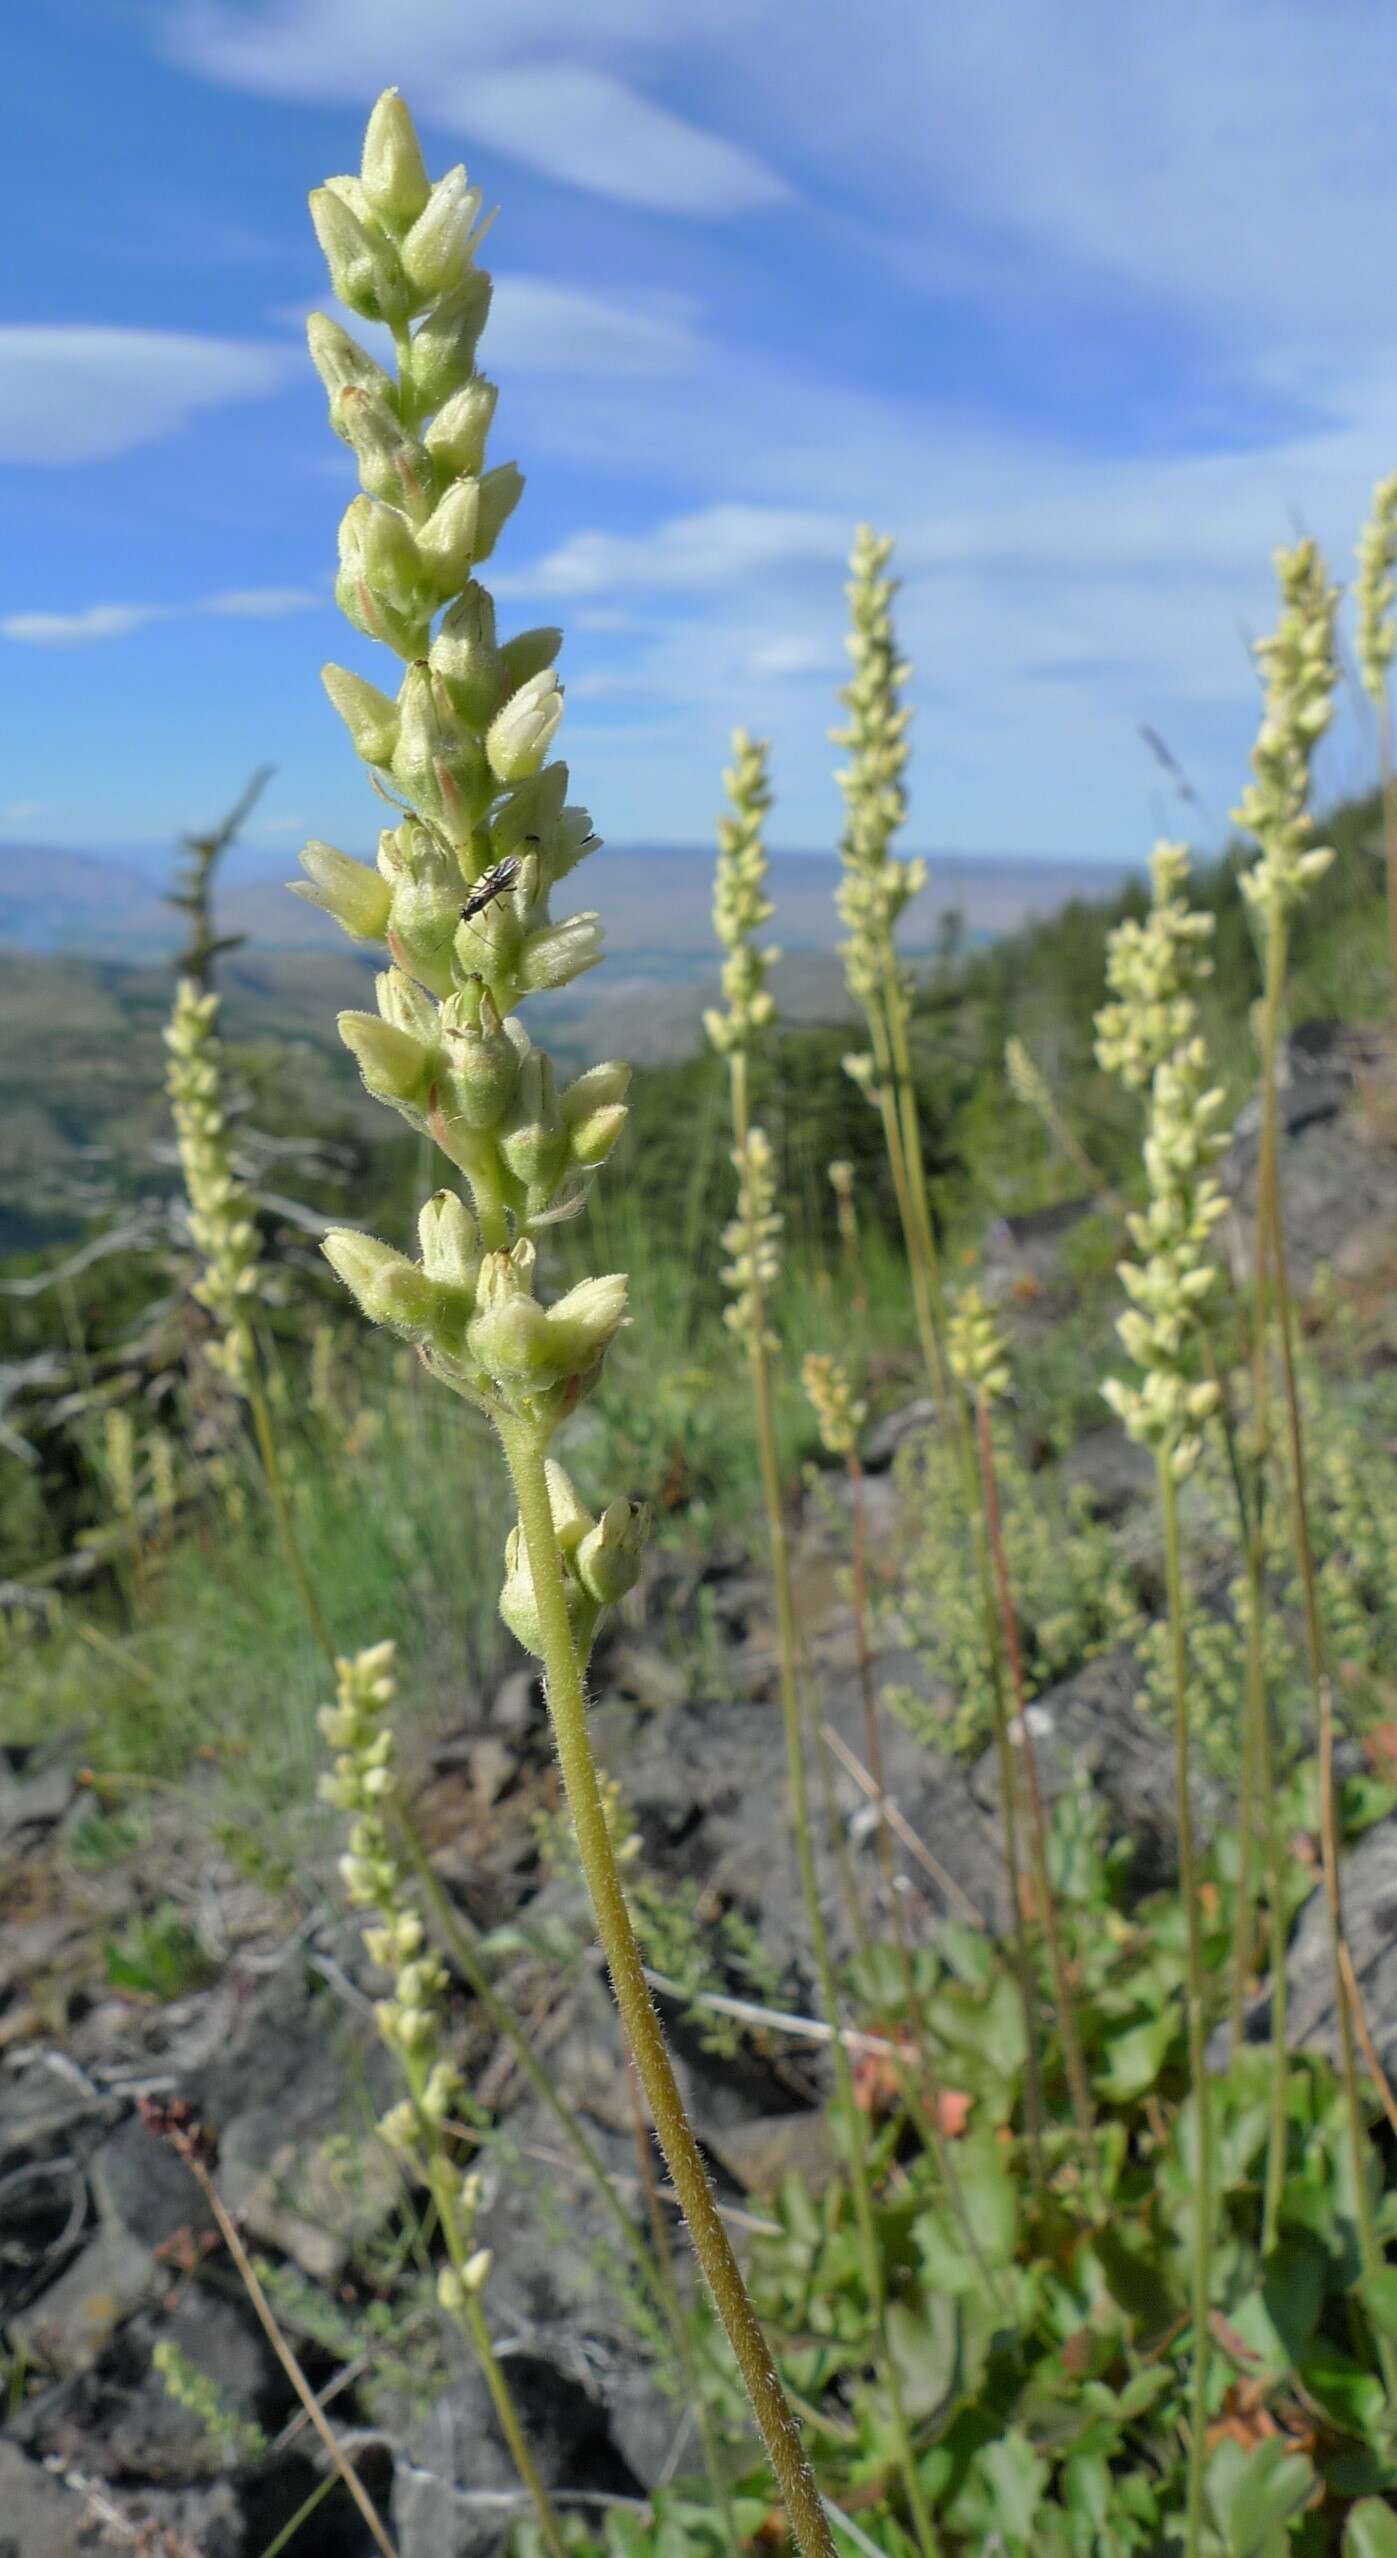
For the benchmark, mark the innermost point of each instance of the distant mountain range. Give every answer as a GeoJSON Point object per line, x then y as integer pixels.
{"type": "Point", "coordinates": [654, 900]}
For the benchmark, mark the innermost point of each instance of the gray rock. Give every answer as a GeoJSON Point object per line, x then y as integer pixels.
{"type": "Point", "coordinates": [1113, 1470]}
{"type": "Point", "coordinates": [1368, 1880]}
{"type": "Point", "coordinates": [1093, 1724]}
{"type": "Point", "coordinates": [1338, 1174]}
{"type": "Point", "coordinates": [143, 2188]}
{"type": "Point", "coordinates": [458, 2455]}
{"type": "Point", "coordinates": [888, 1436]}
{"type": "Point", "coordinates": [70, 2325]}
{"type": "Point", "coordinates": [294, 2103]}
{"type": "Point", "coordinates": [39, 2518]}
{"type": "Point", "coordinates": [34, 1798]}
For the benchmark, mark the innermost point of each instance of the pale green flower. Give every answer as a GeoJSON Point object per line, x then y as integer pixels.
{"type": "Point", "coordinates": [1377, 559]}
{"type": "Point", "coordinates": [222, 1219]}
{"type": "Point", "coordinates": [740, 903]}
{"type": "Point", "coordinates": [1301, 669]}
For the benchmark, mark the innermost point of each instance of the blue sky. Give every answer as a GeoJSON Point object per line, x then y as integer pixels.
{"type": "Point", "coordinates": [1087, 306]}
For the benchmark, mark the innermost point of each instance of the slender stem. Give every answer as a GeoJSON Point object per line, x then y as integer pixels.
{"type": "Point", "coordinates": [453, 1933]}
{"type": "Point", "coordinates": [926, 2116]}
{"type": "Point", "coordinates": [1389, 828]}
{"type": "Point", "coordinates": [1257, 1701]}
{"type": "Point", "coordinates": [673, 2309]}
{"type": "Point", "coordinates": [1197, 2013]}
{"type": "Point", "coordinates": [902, 1136]}
{"type": "Point", "coordinates": [271, 2328]}
{"type": "Point", "coordinates": [442, 2182]}
{"type": "Point", "coordinates": [281, 1506]}
{"type": "Point", "coordinates": [568, 1707]}
{"type": "Point", "coordinates": [1370, 2253]}
{"type": "Point", "coordinates": [1037, 1825]}
{"type": "Point", "coordinates": [799, 1798]}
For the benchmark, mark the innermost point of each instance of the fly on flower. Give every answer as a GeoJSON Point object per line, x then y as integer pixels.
{"type": "Point", "coordinates": [492, 883]}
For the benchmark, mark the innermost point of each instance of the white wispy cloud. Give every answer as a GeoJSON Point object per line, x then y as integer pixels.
{"type": "Point", "coordinates": [70, 393]}
{"type": "Point", "coordinates": [715, 547]}
{"type": "Point", "coordinates": [118, 621]}
{"type": "Point", "coordinates": [535, 82]}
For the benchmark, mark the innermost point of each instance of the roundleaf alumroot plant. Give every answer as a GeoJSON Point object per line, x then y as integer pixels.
{"type": "Point", "coordinates": [1375, 596]}
{"type": "Point", "coordinates": [1147, 1035]}
{"type": "Point", "coordinates": [740, 908]}
{"type": "Point", "coordinates": [460, 898]}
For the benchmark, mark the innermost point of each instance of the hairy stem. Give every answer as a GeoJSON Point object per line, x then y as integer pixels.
{"type": "Point", "coordinates": [1197, 2015]}
{"type": "Point", "coordinates": [799, 1798]}
{"type": "Point", "coordinates": [1370, 2254]}
{"type": "Point", "coordinates": [281, 1506]}
{"type": "Point", "coordinates": [1077, 2081]}
{"type": "Point", "coordinates": [1257, 1701]}
{"type": "Point", "coordinates": [568, 1708]}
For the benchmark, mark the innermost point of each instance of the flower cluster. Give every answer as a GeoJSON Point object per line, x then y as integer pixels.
{"type": "Point", "coordinates": [221, 1217]}
{"type": "Point", "coordinates": [1377, 559]}
{"type": "Point", "coordinates": [976, 1347]}
{"type": "Point", "coordinates": [839, 1412]}
{"type": "Point", "coordinates": [600, 1557]}
{"type": "Point", "coordinates": [358, 1727]}
{"type": "Point", "coordinates": [1300, 666]}
{"type": "Point", "coordinates": [1152, 970]}
{"type": "Point", "coordinates": [875, 886]}
{"type": "Point", "coordinates": [740, 903]}
{"type": "Point", "coordinates": [754, 1240]}
{"type": "Point", "coordinates": [460, 894]}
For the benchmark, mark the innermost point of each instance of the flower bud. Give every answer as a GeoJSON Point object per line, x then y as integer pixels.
{"type": "Point", "coordinates": [369, 715]}
{"type": "Point", "coordinates": [528, 653]}
{"type": "Point", "coordinates": [608, 1560]}
{"type": "Point", "coordinates": [396, 1067]}
{"type": "Point", "coordinates": [591, 1140]}
{"type": "Point", "coordinates": [380, 585]}
{"type": "Point", "coordinates": [559, 953]}
{"type": "Point", "coordinates": [572, 1520]}
{"type": "Point", "coordinates": [520, 735]}
{"type": "Point", "coordinates": [597, 1089]}
{"type": "Point", "coordinates": [533, 809]}
{"type": "Point", "coordinates": [466, 658]}
{"type": "Point", "coordinates": [402, 1002]}
{"type": "Point", "coordinates": [456, 437]}
{"type": "Point", "coordinates": [475, 2273]}
{"type": "Point", "coordinates": [389, 1288]}
{"type": "Point", "coordinates": [482, 1065]}
{"type": "Point", "coordinates": [533, 1143]}
{"type": "Point", "coordinates": [450, 1245]}
{"type": "Point", "coordinates": [500, 492]}
{"type": "Point", "coordinates": [583, 1322]}
{"type": "Point", "coordinates": [437, 250]}
{"type": "Point", "coordinates": [443, 350]}
{"type": "Point", "coordinates": [509, 1335]}
{"type": "Point", "coordinates": [446, 543]}
{"type": "Point", "coordinates": [363, 268]}
{"type": "Point", "coordinates": [357, 897]}
{"type": "Point", "coordinates": [437, 762]}
{"type": "Point", "coordinates": [342, 362]}
{"type": "Point", "coordinates": [392, 466]}
{"type": "Point", "coordinates": [392, 173]}
{"type": "Point", "coordinates": [519, 1605]}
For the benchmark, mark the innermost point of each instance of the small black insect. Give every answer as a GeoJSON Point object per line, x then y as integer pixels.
{"type": "Point", "coordinates": [491, 884]}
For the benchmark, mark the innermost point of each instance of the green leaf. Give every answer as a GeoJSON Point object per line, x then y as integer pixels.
{"type": "Point", "coordinates": [1255, 2495]}
{"type": "Point", "coordinates": [1379, 2297]}
{"type": "Point", "coordinates": [1133, 2060]}
{"type": "Point", "coordinates": [923, 2344]}
{"type": "Point", "coordinates": [1292, 2290]}
{"type": "Point", "coordinates": [989, 2195]}
{"type": "Point", "coordinates": [1353, 2397]}
{"type": "Point", "coordinates": [1016, 2478]}
{"type": "Point", "coordinates": [1371, 2530]}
